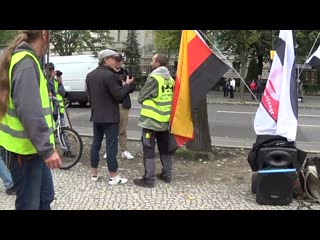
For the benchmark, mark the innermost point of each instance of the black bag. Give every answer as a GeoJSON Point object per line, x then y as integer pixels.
{"type": "Point", "coordinates": [266, 141]}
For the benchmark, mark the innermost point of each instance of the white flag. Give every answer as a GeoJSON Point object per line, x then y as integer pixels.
{"type": "Point", "coordinates": [314, 60]}
{"type": "Point", "coordinates": [278, 111]}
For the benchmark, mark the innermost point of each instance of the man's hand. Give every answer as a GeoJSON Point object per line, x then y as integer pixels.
{"type": "Point", "coordinates": [54, 160]}
{"type": "Point", "coordinates": [129, 80]}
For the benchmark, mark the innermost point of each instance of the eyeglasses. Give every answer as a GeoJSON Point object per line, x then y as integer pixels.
{"type": "Point", "coordinates": [118, 59]}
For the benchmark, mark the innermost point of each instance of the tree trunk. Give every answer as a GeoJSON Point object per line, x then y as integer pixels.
{"type": "Point", "coordinates": [202, 138]}
{"type": "Point", "coordinates": [169, 53]}
{"type": "Point", "coordinates": [260, 64]}
{"type": "Point", "coordinates": [243, 70]}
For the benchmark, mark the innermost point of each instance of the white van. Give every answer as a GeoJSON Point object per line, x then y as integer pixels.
{"type": "Point", "coordinates": [75, 69]}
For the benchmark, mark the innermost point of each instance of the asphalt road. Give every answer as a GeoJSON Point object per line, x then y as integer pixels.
{"type": "Point", "coordinates": [230, 125]}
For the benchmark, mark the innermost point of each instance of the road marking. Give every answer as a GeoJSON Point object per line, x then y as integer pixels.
{"type": "Point", "coordinates": [307, 115]}
{"type": "Point", "coordinates": [304, 125]}
{"type": "Point", "coordinates": [136, 116]}
{"type": "Point", "coordinates": [300, 115]}
{"type": "Point", "coordinates": [235, 112]}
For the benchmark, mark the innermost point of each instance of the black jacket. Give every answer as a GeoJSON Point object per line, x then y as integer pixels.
{"type": "Point", "coordinates": [105, 93]}
{"type": "Point", "coordinates": [122, 76]}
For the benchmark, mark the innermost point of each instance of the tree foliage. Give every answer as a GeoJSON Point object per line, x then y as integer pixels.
{"type": "Point", "coordinates": [239, 43]}
{"type": "Point", "coordinates": [132, 54]}
{"type": "Point", "coordinates": [67, 42]}
{"type": "Point", "coordinates": [167, 41]}
{"type": "Point", "coordinates": [304, 39]}
{"type": "Point", "coordinates": [7, 35]}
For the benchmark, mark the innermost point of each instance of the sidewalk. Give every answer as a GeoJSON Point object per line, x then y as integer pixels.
{"type": "Point", "coordinates": [219, 184]}
{"type": "Point", "coordinates": [309, 102]}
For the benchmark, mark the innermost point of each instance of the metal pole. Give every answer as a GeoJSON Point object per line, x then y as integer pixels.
{"type": "Point", "coordinates": [272, 36]}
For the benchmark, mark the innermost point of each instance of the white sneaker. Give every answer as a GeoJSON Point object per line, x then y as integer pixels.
{"type": "Point", "coordinates": [105, 156]}
{"type": "Point", "coordinates": [127, 155]}
{"type": "Point", "coordinates": [117, 180]}
{"type": "Point", "coordinates": [94, 178]}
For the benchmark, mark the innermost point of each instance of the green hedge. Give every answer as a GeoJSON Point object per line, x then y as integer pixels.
{"type": "Point", "coordinates": [311, 89]}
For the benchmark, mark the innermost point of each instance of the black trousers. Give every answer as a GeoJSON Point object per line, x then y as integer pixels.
{"type": "Point", "coordinates": [149, 139]}
{"type": "Point", "coordinates": [111, 131]}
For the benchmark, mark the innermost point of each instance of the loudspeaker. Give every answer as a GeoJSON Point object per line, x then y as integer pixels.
{"type": "Point", "coordinates": [277, 157]}
{"type": "Point", "coordinates": [275, 186]}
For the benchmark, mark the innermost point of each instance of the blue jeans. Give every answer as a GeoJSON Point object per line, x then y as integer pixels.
{"type": "Point", "coordinates": [33, 182]}
{"type": "Point", "coordinates": [5, 174]}
{"type": "Point", "coordinates": [111, 131]}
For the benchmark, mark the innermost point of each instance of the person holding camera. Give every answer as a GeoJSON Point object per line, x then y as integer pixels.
{"type": "Point", "coordinates": [57, 90]}
{"type": "Point", "coordinates": [124, 108]}
{"type": "Point", "coordinates": [60, 93]}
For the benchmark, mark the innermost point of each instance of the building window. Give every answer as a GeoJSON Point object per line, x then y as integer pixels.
{"type": "Point", "coordinates": [311, 76]}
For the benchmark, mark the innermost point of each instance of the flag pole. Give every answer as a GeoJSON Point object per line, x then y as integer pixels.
{"type": "Point", "coordinates": [308, 55]}
{"type": "Point", "coordinates": [230, 65]}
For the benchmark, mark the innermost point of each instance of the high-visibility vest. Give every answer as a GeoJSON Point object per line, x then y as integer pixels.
{"type": "Point", "coordinates": [59, 97]}
{"type": "Point", "coordinates": [12, 133]}
{"type": "Point", "coordinates": [159, 108]}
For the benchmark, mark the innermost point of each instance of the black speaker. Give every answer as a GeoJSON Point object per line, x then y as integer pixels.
{"type": "Point", "coordinates": [275, 186]}
{"type": "Point", "coordinates": [277, 157]}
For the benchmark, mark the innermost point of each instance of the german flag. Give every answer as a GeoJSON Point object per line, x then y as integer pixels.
{"type": "Point", "coordinates": [199, 69]}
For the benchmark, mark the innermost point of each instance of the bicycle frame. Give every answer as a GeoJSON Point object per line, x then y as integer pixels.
{"type": "Point", "coordinates": [65, 147]}
{"type": "Point", "coordinates": [58, 126]}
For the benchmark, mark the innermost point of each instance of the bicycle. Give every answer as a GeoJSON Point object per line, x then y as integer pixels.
{"type": "Point", "coordinates": [69, 143]}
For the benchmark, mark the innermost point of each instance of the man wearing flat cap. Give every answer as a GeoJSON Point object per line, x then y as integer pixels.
{"type": "Point", "coordinates": [105, 93]}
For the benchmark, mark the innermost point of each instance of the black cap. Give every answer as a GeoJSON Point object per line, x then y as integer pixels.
{"type": "Point", "coordinates": [49, 65]}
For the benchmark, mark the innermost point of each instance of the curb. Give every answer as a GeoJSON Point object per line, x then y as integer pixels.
{"type": "Point", "coordinates": [221, 146]}
{"type": "Point", "coordinates": [210, 101]}
{"type": "Point", "coordinates": [213, 101]}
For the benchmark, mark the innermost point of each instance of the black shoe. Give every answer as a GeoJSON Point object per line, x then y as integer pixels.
{"type": "Point", "coordinates": [11, 191]}
{"type": "Point", "coordinates": [161, 177]}
{"type": "Point", "coordinates": [69, 154]}
{"type": "Point", "coordinates": [141, 182]}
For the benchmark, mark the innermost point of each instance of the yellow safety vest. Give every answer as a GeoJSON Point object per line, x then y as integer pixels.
{"type": "Point", "coordinates": [59, 97]}
{"type": "Point", "coordinates": [159, 108]}
{"type": "Point", "coordinates": [12, 133]}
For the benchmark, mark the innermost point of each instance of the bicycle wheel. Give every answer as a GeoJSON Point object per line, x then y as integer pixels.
{"type": "Point", "coordinates": [69, 147]}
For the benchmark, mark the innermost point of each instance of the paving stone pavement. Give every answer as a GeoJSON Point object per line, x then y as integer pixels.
{"type": "Point", "coordinates": [222, 184]}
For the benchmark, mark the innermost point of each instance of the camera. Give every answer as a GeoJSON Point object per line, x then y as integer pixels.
{"type": "Point", "coordinates": [127, 73]}
{"type": "Point", "coordinates": [58, 73]}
